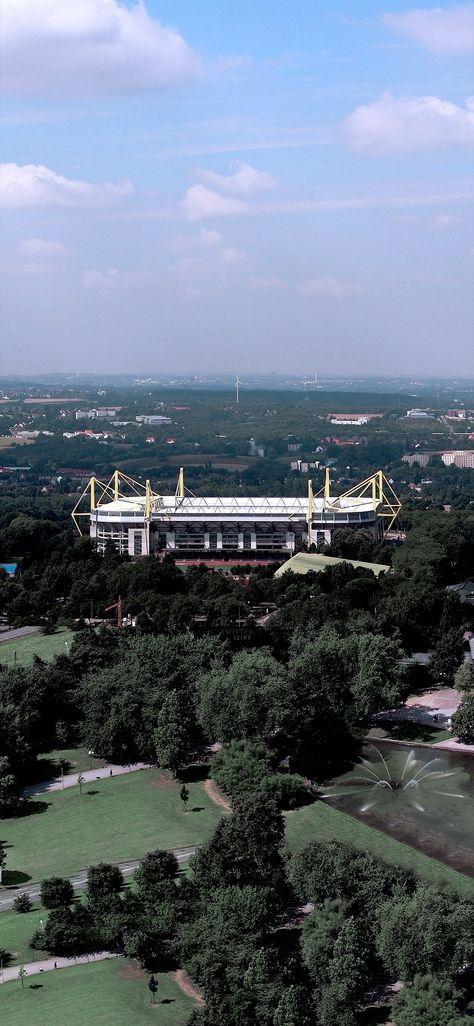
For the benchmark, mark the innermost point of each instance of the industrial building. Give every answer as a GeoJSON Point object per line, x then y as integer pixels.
{"type": "Point", "coordinates": [138, 521]}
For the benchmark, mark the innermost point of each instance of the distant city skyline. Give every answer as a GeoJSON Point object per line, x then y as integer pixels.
{"type": "Point", "coordinates": [202, 189]}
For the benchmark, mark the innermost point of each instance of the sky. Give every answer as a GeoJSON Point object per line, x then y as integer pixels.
{"type": "Point", "coordinates": [219, 186]}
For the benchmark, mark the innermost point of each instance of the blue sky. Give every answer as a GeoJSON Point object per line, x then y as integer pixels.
{"type": "Point", "coordinates": [197, 186]}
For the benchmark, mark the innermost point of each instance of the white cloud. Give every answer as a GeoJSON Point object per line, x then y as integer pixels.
{"type": "Point", "coordinates": [327, 286]}
{"type": "Point", "coordinates": [442, 30]}
{"type": "Point", "coordinates": [32, 185]}
{"type": "Point", "coordinates": [115, 278]}
{"type": "Point", "coordinates": [200, 203]}
{"type": "Point", "coordinates": [233, 63]}
{"type": "Point", "coordinates": [72, 47]}
{"type": "Point", "coordinates": [244, 182]}
{"type": "Point", "coordinates": [444, 222]}
{"type": "Point", "coordinates": [392, 124]}
{"type": "Point", "coordinates": [42, 248]}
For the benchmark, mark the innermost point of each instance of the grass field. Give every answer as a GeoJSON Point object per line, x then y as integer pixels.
{"type": "Point", "coordinates": [111, 993]}
{"type": "Point", "coordinates": [415, 733]}
{"type": "Point", "coordinates": [46, 646]}
{"type": "Point", "coordinates": [319, 822]}
{"type": "Point", "coordinates": [114, 820]}
{"type": "Point", "coordinates": [16, 931]}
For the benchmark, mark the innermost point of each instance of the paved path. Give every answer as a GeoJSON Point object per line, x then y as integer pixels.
{"type": "Point", "coordinates": [46, 965]}
{"type": "Point", "coordinates": [70, 780]}
{"type": "Point", "coordinates": [79, 880]}
{"type": "Point", "coordinates": [18, 632]}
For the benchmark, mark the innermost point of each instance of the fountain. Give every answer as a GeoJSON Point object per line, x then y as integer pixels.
{"type": "Point", "coordinates": [391, 790]}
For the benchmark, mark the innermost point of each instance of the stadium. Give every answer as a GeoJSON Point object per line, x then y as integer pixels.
{"type": "Point", "coordinates": [138, 521]}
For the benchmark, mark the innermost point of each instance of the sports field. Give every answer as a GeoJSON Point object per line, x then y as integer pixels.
{"type": "Point", "coordinates": [46, 646]}
{"type": "Point", "coordinates": [114, 820]}
{"type": "Point", "coordinates": [111, 993]}
{"type": "Point", "coordinates": [320, 822]}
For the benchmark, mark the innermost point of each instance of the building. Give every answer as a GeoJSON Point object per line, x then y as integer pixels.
{"type": "Point", "coordinates": [346, 419]}
{"type": "Point", "coordinates": [455, 414]}
{"type": "Point", "coordinates": [418, 414]}
{"type": "Point", "coordinates": [152, 418]}
{"type": "Point", "coordinates": [458, 458]}
{"type": "Point", "coordinates": [138, 521]}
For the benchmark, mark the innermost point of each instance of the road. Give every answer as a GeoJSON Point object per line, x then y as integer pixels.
{"type": "Point", "coordinates": [18, 632]}
{"type": "Point", "coordinates": [79, 880]}
{"type": "Point", "coordinates": [60, 783]}
{"type": "Point", "coordinates": [45, 965]}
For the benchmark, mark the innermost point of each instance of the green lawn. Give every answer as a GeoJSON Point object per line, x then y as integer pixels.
{"type": "Point", "coordinates": [404, 730]}
{"type": "Point", "coordinates": [111, 993]}
{"type": "Point", "coordinates": [75, 760]}
{"type": "Point", "coordinates": [16, 931]}
{"type": "Point", "coordinates": [116, 819]}
{"type": "Point", "coordinates": [320, 822]}
{"type": "Point", "coordinates": [46, 646]}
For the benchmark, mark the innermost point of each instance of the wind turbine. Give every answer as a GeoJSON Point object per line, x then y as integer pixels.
{"type": "Point", "coordinates": [237, 383]}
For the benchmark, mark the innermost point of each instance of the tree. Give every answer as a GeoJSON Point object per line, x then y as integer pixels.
{"type": "Point", "coordinates": [9, 790]}
{"type": "Point", "coordinates": [464, 676]}
{"type": "Point", "coordinates": [429, 931]}
{"type": "Point", "coordinates": [153, 987]}
{"type": "Point", "coordinates": [378, 682]}
{"type": "Point", "coordinates": [318, 937]}
{"type": "Point", "coordinates": [157, 867]}
{"type": "Point", "coordinates": [68, 932]}
{"type": "Point", "coordinates": [177, 732]}
{"type": "Point", "coordinates": [351, 967]}
{"type": "Point", "coordinates": [184, 795]}
{"type": "Point", "coordinates": [462, 721]}
{"type": "Point", "coordinates": [81, 780]}
{"type": "Point", "coordinates": [295, 1008]}
{"type": "Point", "coordinates": [230, 927]}
{"type": "Point", "coordinates": [246, 848]}
{"type": "Point", "coordinates": [252, 699]}
{"type": "Point", "coordinates": [429, 1002]}
{"type": "Point", "coordinates": [447, 656]}
{"type": "Point", "coordinates": [337, 871]}
{"type": "Point", "coordinates": [3, 859]}
{"type": "Point", "coordinates": [22, 974]}
{"type": "Point", "coordinates": [56, 892]}
{"type": "Point", "coordinates": [241, 766]}
{"type": "Point", "coordinates": [23, 903]}
{"type": "Point", "coordinates": [103, 880]}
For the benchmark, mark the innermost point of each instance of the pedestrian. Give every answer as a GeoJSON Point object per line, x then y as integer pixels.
{"type": "Point", "coordinates": [55, 965]}
{"type": "Point", "coordinates": [111, 773]}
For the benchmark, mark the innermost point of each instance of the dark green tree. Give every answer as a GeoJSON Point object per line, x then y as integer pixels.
{"type": "Point", "coordinates": [462, 721]}
{"type": "Point", "coordinates": [56, 892]}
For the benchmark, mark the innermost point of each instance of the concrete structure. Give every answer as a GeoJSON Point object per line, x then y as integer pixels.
{"type": "Point", "coordinates": [309, 562]}
{"type": "Point", "coordinates": [458, 458]}
{"type": "Point", "coordinates": [152, 418]}
{"type": "Point", "coordinates": [185, 524]}
{"type": "Point", "coordinates": [418, 414]}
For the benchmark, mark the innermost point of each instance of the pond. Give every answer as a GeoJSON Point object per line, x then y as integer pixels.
{"type": "Point", "coordinates": [423, 797]}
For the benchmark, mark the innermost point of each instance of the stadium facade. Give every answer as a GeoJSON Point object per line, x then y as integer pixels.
{"type": "Point", "coordinates": [138, 521]}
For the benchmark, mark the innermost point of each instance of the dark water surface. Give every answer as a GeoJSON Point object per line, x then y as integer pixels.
{"type": "Point", "coordinates": [433, 813]}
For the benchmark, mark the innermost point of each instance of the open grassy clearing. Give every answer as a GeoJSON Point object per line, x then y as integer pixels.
{"type": "Point", "coordinates": [114, 820]}
{"type": "Point", "coordinates": [46, 646]}
{"type": "Point", "coordinates": [111, 993]}
{"type": "Point", "coordinates": [319, 822]}
{"type": "Point", "coordinates": [16, 931]}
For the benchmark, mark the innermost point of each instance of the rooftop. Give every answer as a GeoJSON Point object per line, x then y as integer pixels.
{"type": "Point", "coordinates": [306, 562]}
{"type": "Point", "coordinates": [197, 506]}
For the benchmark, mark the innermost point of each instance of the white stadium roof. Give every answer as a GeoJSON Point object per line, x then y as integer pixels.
{"type": "Point", "coordinates": [200, 506]}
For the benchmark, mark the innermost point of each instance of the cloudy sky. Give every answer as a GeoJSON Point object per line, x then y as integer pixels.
{"type": "Point", "coordinates": [270, 184]}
